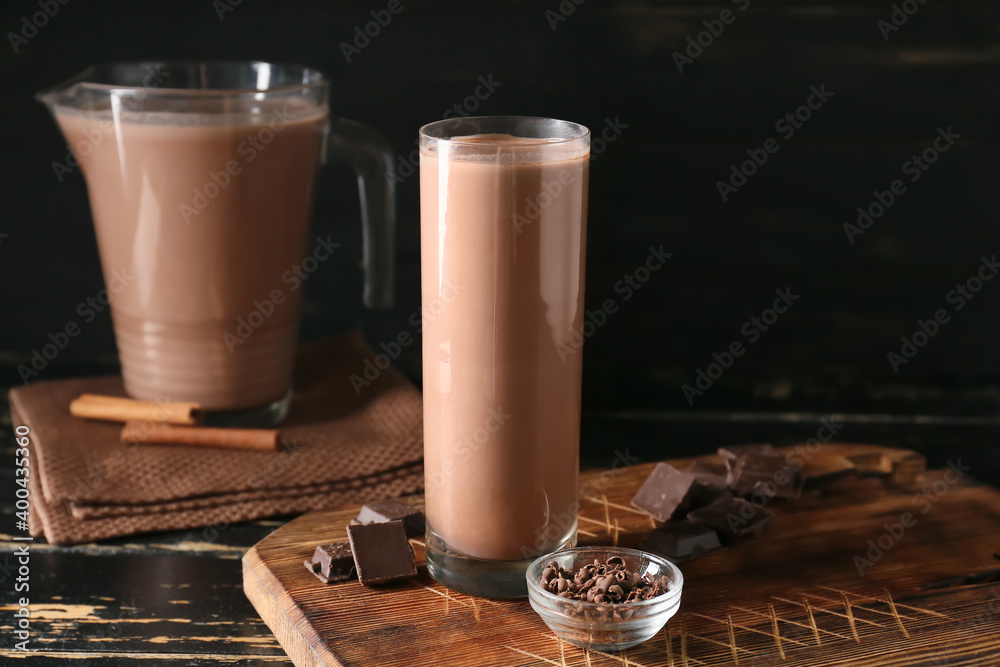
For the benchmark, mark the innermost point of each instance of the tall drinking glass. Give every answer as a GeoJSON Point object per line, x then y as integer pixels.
{"type": "Point", "coordinates": [503, 211]}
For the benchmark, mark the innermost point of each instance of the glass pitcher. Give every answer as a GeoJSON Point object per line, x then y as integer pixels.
{"type": "Point", "coordinates": [201, 178]}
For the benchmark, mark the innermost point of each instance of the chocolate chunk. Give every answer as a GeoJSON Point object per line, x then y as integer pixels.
{"type": "Point", "coordinates": [732, 452]}
{"type": "Point", "coordinates": [332, 562]}
{"type": "Point", "coordinates": [393, 510]}
{"type": "Point", "coordinates": [732, 518]}
{"type": "Point", "coordinates": [769, 474]}
{"type": "Point", "coordinates": [711, 474]}
{"type": "Point", "coordinates": [381, 552]}
{"type": "Point", "coordinates": [702, 495]}
{"type": "Point", "coordinates": [663, 492]}
{"type": "Point", "coordinates": [681, 540]}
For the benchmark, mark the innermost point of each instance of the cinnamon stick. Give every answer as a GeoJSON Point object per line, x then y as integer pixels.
{"type": "Point", "coordinates": [117, 409]}
{"type": "Point", "coordinates": [146, 432]}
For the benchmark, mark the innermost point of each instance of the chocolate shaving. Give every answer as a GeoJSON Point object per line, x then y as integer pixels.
{"type": "Point", "coordinates": [608, 582]}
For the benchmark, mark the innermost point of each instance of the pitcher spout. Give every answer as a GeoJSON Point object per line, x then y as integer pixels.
{"type": "Point", "coordinates": [66, 92]}
{"type": "Point", "coordinates": [92, 88]}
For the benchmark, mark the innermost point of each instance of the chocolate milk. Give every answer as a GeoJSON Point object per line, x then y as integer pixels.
{"type": "Point", "coordinates": [502, 261]}
{"type": "Point", "coordinates": [205, 216]}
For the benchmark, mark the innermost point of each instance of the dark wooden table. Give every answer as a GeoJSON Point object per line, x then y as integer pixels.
{"type": "Point", "coordinates": [176, 598]}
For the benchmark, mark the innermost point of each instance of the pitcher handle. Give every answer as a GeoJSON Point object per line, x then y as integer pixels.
{"type": "Point", "coordinates": [365, 150]}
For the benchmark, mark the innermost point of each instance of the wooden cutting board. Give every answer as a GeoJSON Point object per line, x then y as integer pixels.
{"type": "Point", "coordinates": [793, 596]}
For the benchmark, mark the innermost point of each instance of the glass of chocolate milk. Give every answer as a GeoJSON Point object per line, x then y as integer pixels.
{"type": "Point", "coordinates": [503, 212]}
{"type": "Point", "coordinates": [201, 178]}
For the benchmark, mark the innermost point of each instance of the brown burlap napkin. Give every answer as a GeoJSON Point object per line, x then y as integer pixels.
{"type": "Point", "coordinates": [342, 447]}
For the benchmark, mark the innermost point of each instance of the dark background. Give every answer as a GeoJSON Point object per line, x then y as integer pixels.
{"type": "Point", "coordinates": [654, 185]}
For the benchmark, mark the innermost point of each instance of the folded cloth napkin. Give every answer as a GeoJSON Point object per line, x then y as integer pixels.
{"type": "Point", "coordinates": [342, 446]}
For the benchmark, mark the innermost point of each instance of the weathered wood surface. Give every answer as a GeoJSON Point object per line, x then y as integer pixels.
{"type": "Point", "coordinates": [166, 599]}
{"type": "Point", "coordinates": [792, 597]}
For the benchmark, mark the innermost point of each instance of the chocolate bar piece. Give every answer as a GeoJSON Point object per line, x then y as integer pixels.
{"type": "Point", "coordinates": [683, 540]}
{"type": "Point", "coordinates": [663, 492]}
{"type": "Point", "coordinates": [768, 474]}
{"type": "Point", "coordinates": [393, 510]}
{"type": "Point", "coordinates": [711, 474]}
{"type": "Point", "coordinates": [381, 552]}
{"type": "Point", "coordinates": [332, 562]}
{"type": "Point", "coordinates": [733, 518]}
{"type": "Point", "coordinates": [702, 495]}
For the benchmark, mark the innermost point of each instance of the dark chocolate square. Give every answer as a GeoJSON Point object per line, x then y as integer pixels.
{"type": "Point", "coordinates": [702, 495]}
{"type": "Point", "coordinates": [768, 474]}
{"type": "Point", "coordinates": [381, 552]}
{"type": "Point", "coordinates": [733, 518]}
{"type": "Point", "coordinates": [683, 540]}
{"type": "Point", "coordinates": [663, 492]}
{"type": "Point", "coordinates": [393, 510]}
{"type": "Point", "coordinates": [332, 562]}
{"type": "Point", "coordinates": [710, 474]}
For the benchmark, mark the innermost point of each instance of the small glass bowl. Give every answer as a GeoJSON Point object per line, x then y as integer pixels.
{"type": "Point", "coordinates": [597, 625]}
